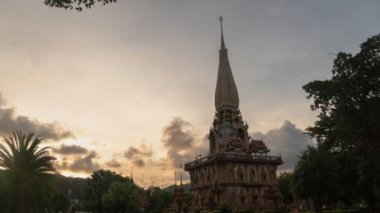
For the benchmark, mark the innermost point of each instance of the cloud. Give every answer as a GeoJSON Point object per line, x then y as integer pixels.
{"type": "Point", "coordinates": [135, 152]}
{"type": "Point", "coordinates": [138, 155]}
{"type": "Point", "coordinates": [85, 164]}
{"type": "Point", "coordinates": [70, 150]}
{"type": "Point", "coordinates": [113, 164]}
{"type": "Point", "coordinates": [288, 140]}
{"type": "Point", "coordinates": [138, 162]}
{"type": "Point", "coordinates": [10, 121]}
{"type": "Point", "coordinates": [162, 163]}
{"type": "Point", "coordinates": [62, 165]}
{"type": "Point", "coordinates": [181, 141]}
{"type": "Point", "coordinates": [2, 100]}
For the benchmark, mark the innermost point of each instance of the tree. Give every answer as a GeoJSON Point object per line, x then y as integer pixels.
{"type": "Point", "coordinates": [76, 4]}
{"type": "Point", "coordinates": [284, 184]}
{"type": "Point", "coordinates": [349, 118]}
{"type": "Point", "coordinates": [27, 173]}
{"type": "Point", "coordinates": [60, 203]}
{"type": "Point", "coordinates": [2, 189]}
{"type": "Point", "coordinates": [349, 192]}
{"type": "Point", "coordinates": [123, 196]}
{"type": "Point", "coordinates": [315, 177]}
{"type": "Point", "coordinates": [156, 200]}
{"type": "Point", "coordinates": [97, 186]}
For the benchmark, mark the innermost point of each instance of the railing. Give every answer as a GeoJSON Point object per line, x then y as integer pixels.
{"type": "Point", "coordinates": [235, 156]}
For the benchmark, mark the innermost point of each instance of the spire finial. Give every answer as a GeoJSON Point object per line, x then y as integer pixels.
{"type": "Point", "coordinates": [175, 177]}
{"type": "Point", "coordinates": [221, 29]}
{"type": "Point", "coordinates": [181, 173]}
{"type": "Point", "coordinates": [132, 174]}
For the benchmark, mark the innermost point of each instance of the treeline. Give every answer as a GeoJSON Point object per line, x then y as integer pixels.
{"type": "Point", "coordinates": [105, 191]}
{"type": "Point", "coordinates": [30, 184]}
{"type": "Point", "coordinates": [326, 181]}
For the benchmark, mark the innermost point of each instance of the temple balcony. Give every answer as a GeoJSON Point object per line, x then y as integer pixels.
{"type": "Point", "coordinates": [234, 157]}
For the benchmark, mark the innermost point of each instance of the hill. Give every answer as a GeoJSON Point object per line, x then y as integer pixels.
{"type": "Point", "coordinates": [170, 188]}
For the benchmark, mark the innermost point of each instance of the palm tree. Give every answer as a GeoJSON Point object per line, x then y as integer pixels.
{"type": "Point", "coordinates": [29, 172]}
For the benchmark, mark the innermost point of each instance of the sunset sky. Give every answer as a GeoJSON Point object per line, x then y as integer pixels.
{"type": "Point", "coordinates": [125, 84]}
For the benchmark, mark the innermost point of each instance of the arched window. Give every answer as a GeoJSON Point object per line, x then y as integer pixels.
{"type": "Point", "coordinates": [254, 199]}
{"type": "Point", "coordinates": [233, 196]}
{"type": "Point", "coordinates": [242, 199]}
{"type": "Point", "coordinates": [253, 176]}
{"type": "Point", "coordinates": [240, 175]}
{"type": "Point", "coordinates": [231, 174]}
{"type": "Point", "coordinates": [263, 176]}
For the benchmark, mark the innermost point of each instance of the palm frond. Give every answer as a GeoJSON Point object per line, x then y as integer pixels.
{"type": "Point", "coordinates": [30, 169]}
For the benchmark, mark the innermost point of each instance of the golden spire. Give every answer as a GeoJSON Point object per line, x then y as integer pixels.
{"type": "Point", "coordinates": [226, 94]}
{"type": "Point", "coordinates": [222, 46]}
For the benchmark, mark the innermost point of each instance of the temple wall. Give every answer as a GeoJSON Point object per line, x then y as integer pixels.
{"type": "Point", "coordinates": [234, 173]}
{"type": "Point", "coordinates": [238, 185]}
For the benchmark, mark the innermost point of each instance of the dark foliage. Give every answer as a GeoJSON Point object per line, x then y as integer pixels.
{"type": "Point", "coordinates": [156, 199]}
{"type": "Point", "coordinates": [106, 191]}
{"type": "Point", "coordinates": [70, 186]}
{"type": "Point", "coordinates": [284, 184]}
{"type": "Point", "coordinates": [27, 175]}
{"type": "Point", "coordinates": [348, 124]}
{"type": "Point", "coordinates": [315, 177]}
{"type": "Point", "coordinates": [78, 5]}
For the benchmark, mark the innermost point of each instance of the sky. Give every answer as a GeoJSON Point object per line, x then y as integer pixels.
{"type": "Point", "coordinates": [132, 84]}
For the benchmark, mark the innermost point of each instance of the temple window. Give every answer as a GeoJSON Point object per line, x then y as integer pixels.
{"type": "Point", "coordinates": [253, 176]}
{"type": "Point", "coordinates": [242, 199]}
{"type": "Point", "coordinates": [196, 179]}
{"type": "Point", "coordinates": [263, 176]}
{"type": "Point", "coordinates": [240, 175]}
{"type": "Point", "coordinates": [254, 199]}
{"type": "Point", "coordinates": [231, 174]}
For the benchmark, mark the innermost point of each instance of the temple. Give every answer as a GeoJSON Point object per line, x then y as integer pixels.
{"type": "Point", "coordinates": [237, 172]}
{"type": "Point", "coordinates": [178, 203]}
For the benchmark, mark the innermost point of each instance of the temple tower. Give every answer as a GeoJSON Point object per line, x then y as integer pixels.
{"type": "Point", "coordinates": [237, 172]}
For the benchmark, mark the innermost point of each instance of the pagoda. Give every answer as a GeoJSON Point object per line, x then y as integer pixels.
{"type": "Point", "coordinates": [237, 173]}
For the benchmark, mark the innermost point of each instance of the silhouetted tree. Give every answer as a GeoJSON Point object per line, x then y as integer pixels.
{"type": "Point", "coordinates": [60, 203]}
{"type": "Point", "coordinates": [156, 200]}
{"type": "Point", "coordinates": [123, 196]}
{"type": "Point", "coordinates": [284, 184]}
{"type": "Point", "coordinates": [97, 186]}
{"type": "Point", "coordinates": [349, 118]}
{"type": "Point", "coordinates": [315, 177]}
{"type": "Point", "coordinates": [27, 173]}
{"type": "Point", "coordinates": [3, 195]}
{"type": "Point", "coordinates": [78, 5]}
